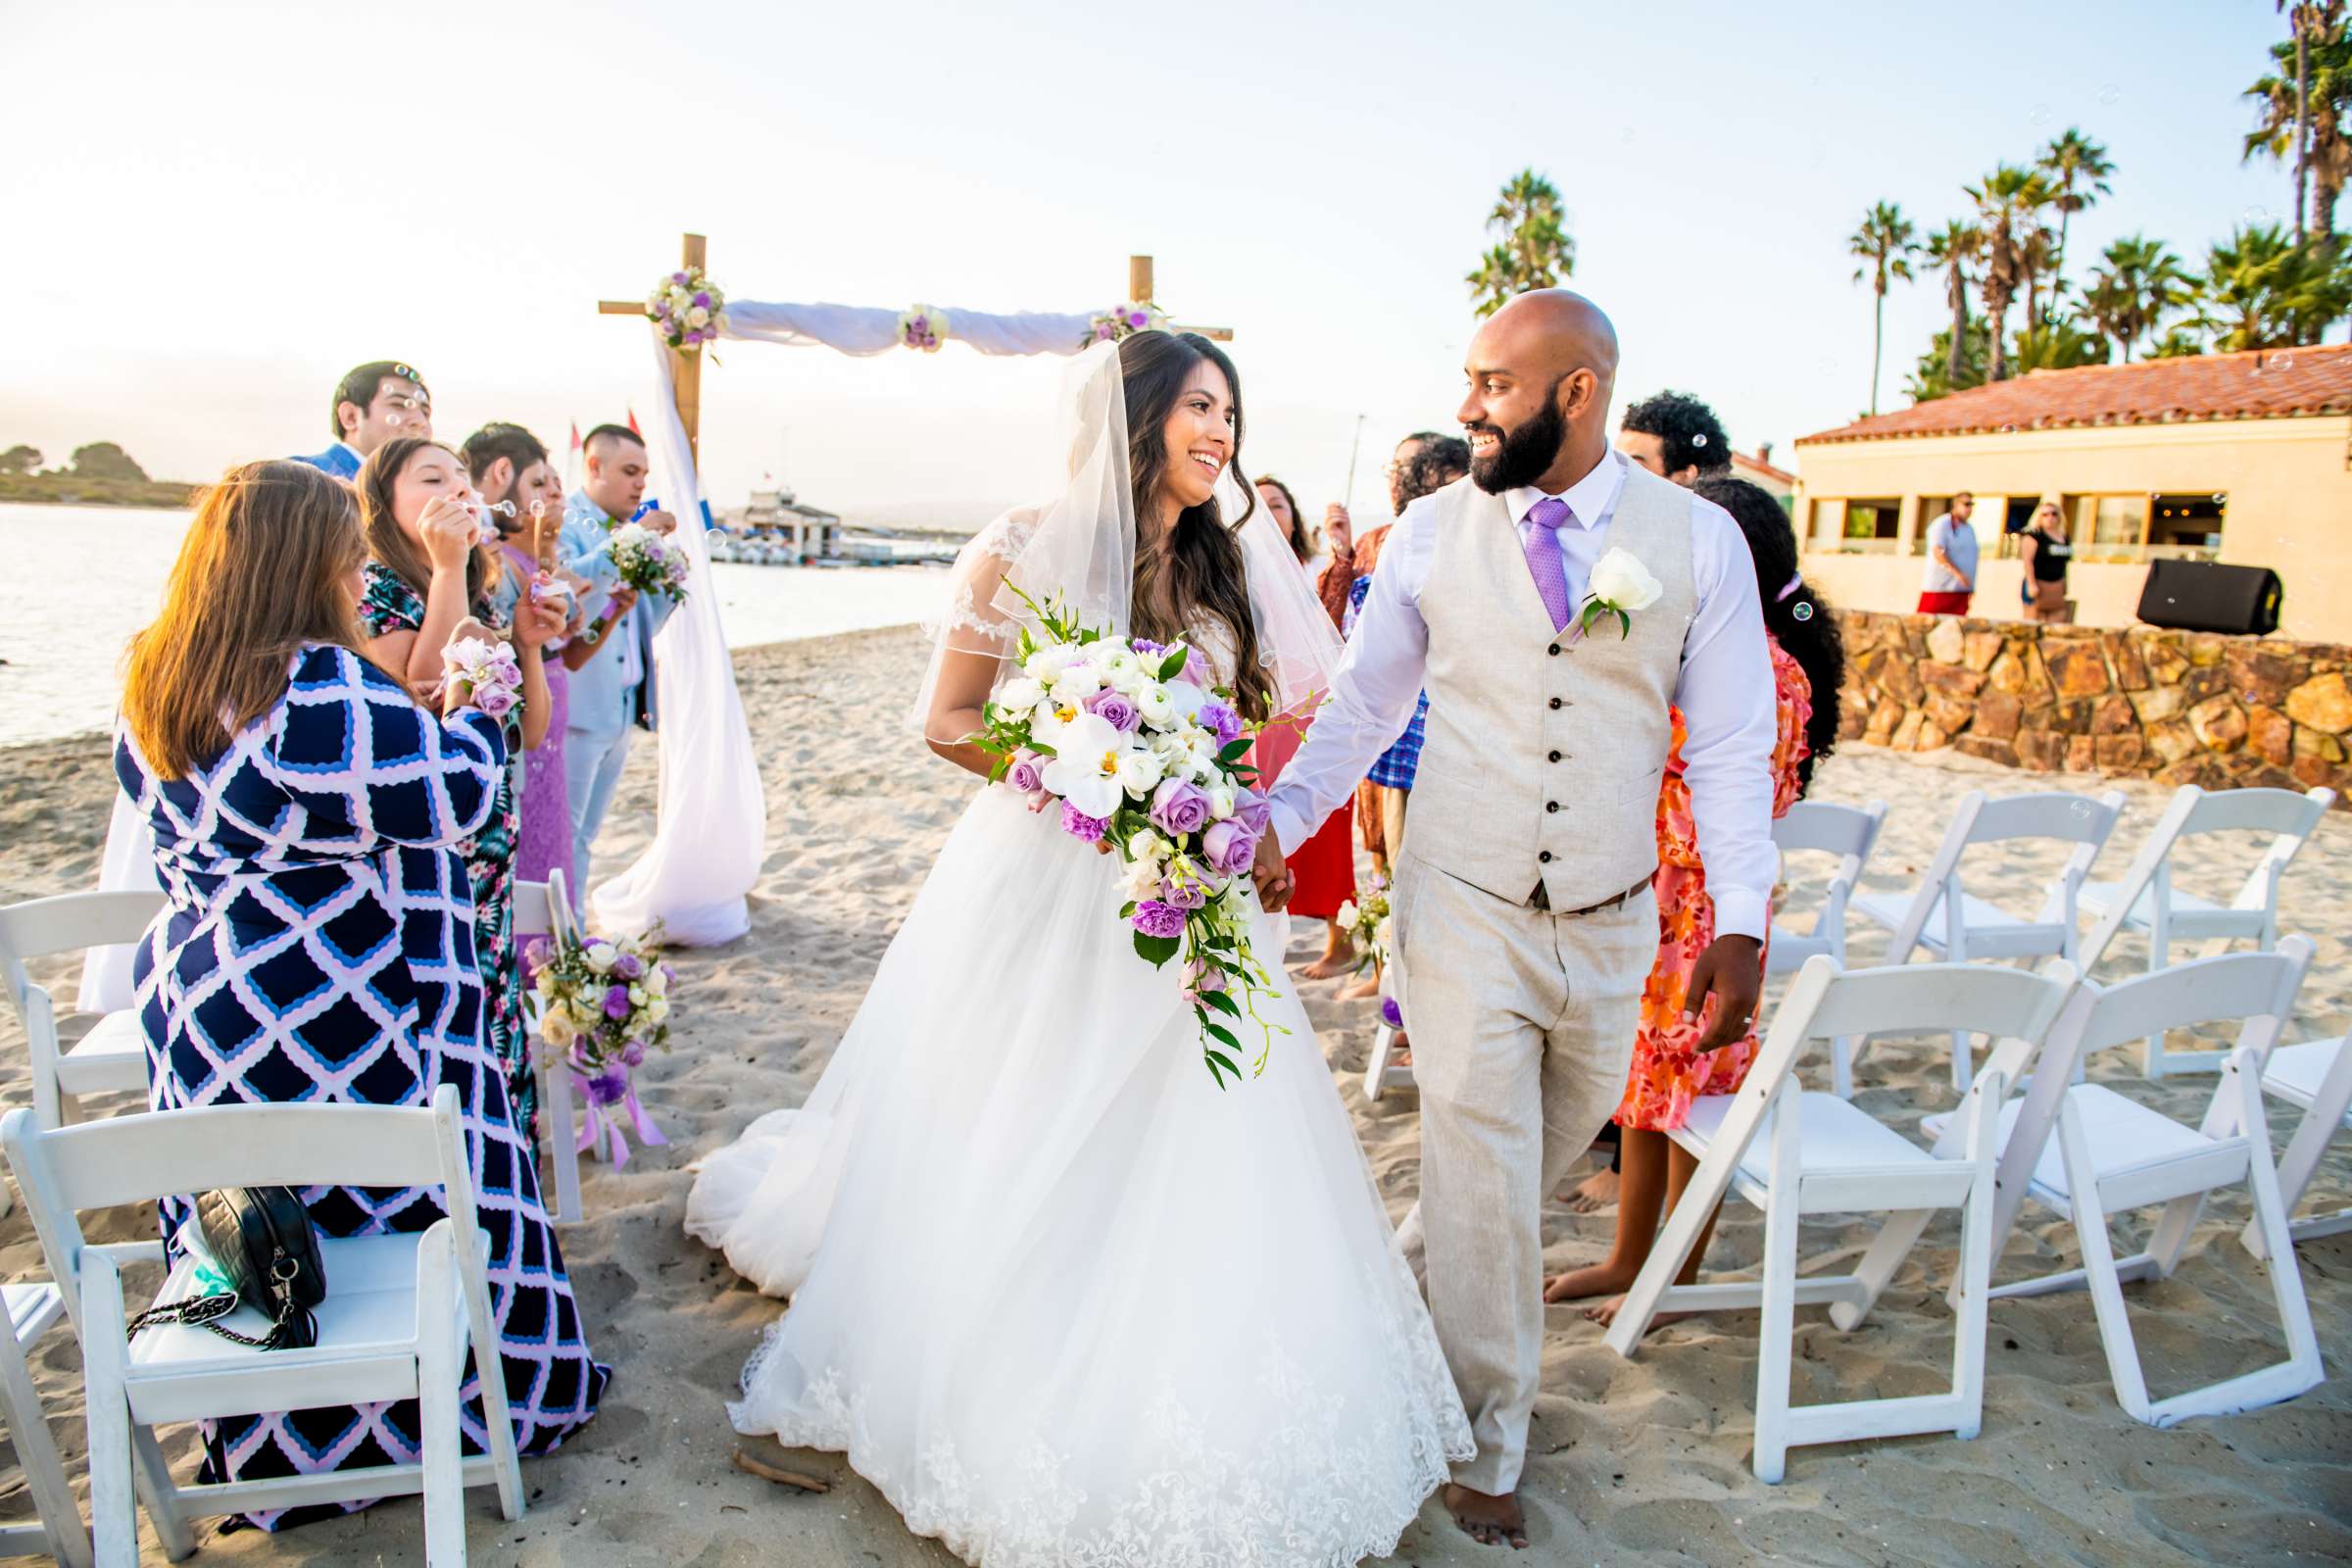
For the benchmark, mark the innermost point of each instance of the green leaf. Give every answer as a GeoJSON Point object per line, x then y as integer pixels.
{"type": "Point", "coordinates": [1219, 1065]}
{"type": "Point", "coordinates": [1217, 1031]}
{"type": "Point", "coordinates": [1043, 749]}
{"type": "Point", "coordinates": [1222, 1003]}
{"type": "Point", "coordinates": [1233, 752]}
{"type": "Point", "coordinates": [1127, 910]}
{"type": "Point", "coordinates": [1156, 950]}
{"type": "Point", "coordinates": [1173, 665]}
{"type": "Point", "coordinates": [1624, 623]}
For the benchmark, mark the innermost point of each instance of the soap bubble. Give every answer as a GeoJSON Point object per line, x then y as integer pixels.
{"type": "Point", "coordinates": [1804, 610]}
{"type": "Point", "coordinates": [2286, 362]}
{"type": "Point", "coordinates": [2109, 93]}
{"type": "Point", "coordinates": [2256, 216]}
{"type": "Point", "coordinates": [1698, 440]}
{"type": "Point", "coordinates": [2041, 114]}
{"type": "Point", "coordinates": [2220, 497]}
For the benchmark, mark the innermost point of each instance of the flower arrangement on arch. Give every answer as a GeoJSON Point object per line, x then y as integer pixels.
{"type": "Point", "coordinates": [924, 327]}
{"type": "Point", "coordinates": [688, 307]}
{"type": "Point", "coordinates": [1139, 754]}
{"type": "Point", "coordinates": [1123, 321]}
{"type": "Point", "coordinates": [602, 1004]}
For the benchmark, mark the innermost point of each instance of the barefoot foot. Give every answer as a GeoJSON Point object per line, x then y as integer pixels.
{"type": "Point", "coordinates": [1330, 966]}
{"type": "Point", "coordinates": [1599, 1279]}
{"type": "Point", "coordinates": [1594, 1194]}
{"type": "Point", "coordinates": [1368, 986]}
{"type": "Point", "coordinates": [1489, 1521]}
{"type": "Point", "coordinates": [1605, 1314]}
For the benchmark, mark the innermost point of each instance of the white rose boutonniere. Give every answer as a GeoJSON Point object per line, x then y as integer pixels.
{"type": "Point", "coordinates": [1620, 586]}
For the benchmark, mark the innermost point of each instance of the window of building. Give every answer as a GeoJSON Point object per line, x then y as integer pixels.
{"type": "Point", "coordinates": [2189, 526]}
{"type": "Point", "coordinates": [2109, 527]}
{"type": "Point", "coordinates": [1829, 524]}
{"type": "Point", "coordinates": [1871, 526]}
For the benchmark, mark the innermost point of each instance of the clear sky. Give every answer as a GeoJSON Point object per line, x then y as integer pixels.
{"type": "Point", "coordinates": [216, 210]}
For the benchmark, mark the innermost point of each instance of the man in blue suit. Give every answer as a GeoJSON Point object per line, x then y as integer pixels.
{"type": "Point", "coordinates": [612, 694]}
{"type": "Point", "coordinates": [373, 403]}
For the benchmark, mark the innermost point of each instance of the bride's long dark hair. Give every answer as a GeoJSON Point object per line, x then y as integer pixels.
{"type": "Point", "coordinates": [1195, 571]}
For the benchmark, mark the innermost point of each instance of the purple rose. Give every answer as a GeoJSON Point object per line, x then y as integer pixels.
{"type": "Point", "coordinates": [616, 1003]}
{"type": "Point", "coordinates": [677, 277]}
{"type": "Point", "coordinates": [1229, 847]}
{"type": "Point", "coordinates": [495, 701]}
{"type": "Point", "coordinates": [1249, 810]}
{"type": "Point", "coordinates": [634, 1054]}
{"type": "Point", "coordinates": [1187, 895]}
{"type": "Point", "coordinates": [1157, 920]}
{"type": "Point", "coordinates": [1078, 826]}
{"type": "Point", "coordinates": [1390, 1013]}
{"type": "Point", "coordinates": [1115, 711]}
{"type": "Point", "coordinates": [1027, 773]}
{"type": "Point", "coordinates": [629, 966]}
{"type": "Point", "coordinates": [1178, 806]}
{"type": "Point", "coordinates": [704, 300]}
{"type": "Point", "coordinates": [1223, 721]}
{"type": "Point", "coordinates": [661, 309]}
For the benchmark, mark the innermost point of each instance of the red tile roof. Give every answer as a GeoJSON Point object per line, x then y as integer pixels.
{"type": "Point", "coordinates": [2260, 384]}
{"type": "Point", "coordinates": [1756, 464]}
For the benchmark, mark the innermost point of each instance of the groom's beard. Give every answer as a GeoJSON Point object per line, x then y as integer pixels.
{"type": "Point", "coordinates": [1526, 454]}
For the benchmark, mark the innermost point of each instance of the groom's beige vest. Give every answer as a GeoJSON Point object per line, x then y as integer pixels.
{"type": "Point", "coordinates": [1544, 750]}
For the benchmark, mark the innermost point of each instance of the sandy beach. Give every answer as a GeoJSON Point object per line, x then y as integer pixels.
{"type": "Point", "coordinates": [1630, 1461]}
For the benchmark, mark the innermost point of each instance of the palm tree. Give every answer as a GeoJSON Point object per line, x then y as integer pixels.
{"type": "Point", "coordinates": [1951, 252]}
{"type": "Point", "coordinates": [2318, 133]}
{"type": "Point", "coordinates": [1886, 246]}
{"type": "Point", "coordinates": [2037, 252]}
{"type": "Point", "coordinates": [2006, 201]}
{"type": "Point", "coordinates": [2068, 162]}
{"type": "Point", "coordinates": [1535, 250]}
{"type": "Point", "coordinates": [2287, 132]}
{"type": "Point", "coordinates": [2265, 291]}
{"type": "Point", "coordinates": [2137, 284]}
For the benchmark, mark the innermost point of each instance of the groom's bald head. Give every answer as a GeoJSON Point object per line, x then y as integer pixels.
{"type": "Point", "coordinates": [1541, 372]}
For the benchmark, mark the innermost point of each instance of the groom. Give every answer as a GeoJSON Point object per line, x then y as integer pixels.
{"type": "Point", "coordinates": [1524, 925]}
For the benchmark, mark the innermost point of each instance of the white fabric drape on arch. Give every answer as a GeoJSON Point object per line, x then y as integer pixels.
{"type": "Point", "coordinates": [862, 330]}
{"type": "Point", "coordinates": [712, 831]}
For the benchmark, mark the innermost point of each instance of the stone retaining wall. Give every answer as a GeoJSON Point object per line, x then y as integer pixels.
{"type": "Point", "coordinates": [2180, 708]}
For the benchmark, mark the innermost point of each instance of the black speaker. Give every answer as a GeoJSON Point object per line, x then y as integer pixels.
{"type": "Point", "coordinates": [2208, 596]}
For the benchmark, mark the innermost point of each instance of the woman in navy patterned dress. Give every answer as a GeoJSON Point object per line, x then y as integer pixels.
{"type": "Point", "coordinates": [413, 496]}
{"type": "Point", "coordinates": [317, 943]}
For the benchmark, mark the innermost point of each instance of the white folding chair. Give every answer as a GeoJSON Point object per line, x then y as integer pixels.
{"type": "Point", "coordinates": [1850, 835]}
{"type": "Point", "coordinates": [544, 909]}
{"type": "Point", "coordinates": [400, 1313]}
{"type": "Point", "coordinates": [2145, 901]}
{"type": "Point", "coordinates": [33, 1309]}
{"type": "Point", "coordinates": [1790, 1153]}
{"type": "Point", "coordinates": [2085, 1151]}
{"type": "Point", "coordinates": [1955, 925]}
{"type": "Point", "coordinates": [2317, 1076]}
{"type": "Point", "coordinates": [110, 1055]}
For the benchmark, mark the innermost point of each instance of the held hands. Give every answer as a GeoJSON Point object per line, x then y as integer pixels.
{"type": "Point", "coordinates": [1339, 529]}
{"type": "Point", "coordinates": [1272, 874]}
{"type": "Point", "coordinates": [448, 531]}
{"type": "Point", "coordinates": [1732, 971]}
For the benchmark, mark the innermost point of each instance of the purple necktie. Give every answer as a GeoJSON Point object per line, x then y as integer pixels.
{"type": "Point", "coordinates": [1544, 557]}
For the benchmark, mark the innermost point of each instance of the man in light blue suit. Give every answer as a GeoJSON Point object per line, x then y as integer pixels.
{"type": "Point", "coordinates": [373, 403]}
{"type": "Point", "coordinates": [612, 694]}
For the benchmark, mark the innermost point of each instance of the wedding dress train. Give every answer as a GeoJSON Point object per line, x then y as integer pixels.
{"type": "Point", "coordinates": [1057, 1295]}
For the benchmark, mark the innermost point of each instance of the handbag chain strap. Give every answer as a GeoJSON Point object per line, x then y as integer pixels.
{"type": "Point", "coordinates": [205, 1311]}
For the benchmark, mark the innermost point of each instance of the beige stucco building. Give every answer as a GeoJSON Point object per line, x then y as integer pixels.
{"type": "Point", "coordinates": [2238, 456]}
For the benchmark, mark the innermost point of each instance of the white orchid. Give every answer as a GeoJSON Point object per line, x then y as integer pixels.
{"type": "Point", "coordinates": [1185, 697]}
{"type": "Point", "coordinates": [1085, 771]}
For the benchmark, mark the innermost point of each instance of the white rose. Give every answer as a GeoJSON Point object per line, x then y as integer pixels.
{"type": "Point", "coordinates": [698, 317]}
{"type": "Point", "coordinates": [1621, 581]}
{"type": "Point", "coordinates": [1049, 661]}
{"type": "Point", "coordinates": [1154, 704]}
{"type": "Point", "coordinates": [1076, 684]}
{"type": "Point", "coordinates": [657, 980]}
{"type": "Point", "coordinates": [636, 996]}
{"type": "Point", "coordinates": [1020, 694]}
{"type": "Point", "coordinates": [1220, 801]}
{"type": "Point", "coordinates": [600, 956]}
{"type": "Point", "coordinates": [1142, 879]}
{"type": "Point", "coordinates": [1347, 912]}
{"type": "Point", "coordinates": [556, 1029]}
{"type": "Point", "coordinates": [659, 1010]}
{"type": "Point", "coordinates": [1147, 844]}
{"type": "Point", "coordinates": [1129, 681]}
{"type": "Point", "coordinates": [1117, 662]}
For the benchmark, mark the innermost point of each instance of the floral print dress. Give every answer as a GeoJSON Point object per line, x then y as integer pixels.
{"type": "Point", "coordinates": [1669, 1070]}
{"type": "Point", "coordinates": [390, 605]}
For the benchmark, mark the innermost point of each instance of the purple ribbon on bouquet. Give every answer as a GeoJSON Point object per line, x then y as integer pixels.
{"type": "Point", "coordinates": [603, 1090]}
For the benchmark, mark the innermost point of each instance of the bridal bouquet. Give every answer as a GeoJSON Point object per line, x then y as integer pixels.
{"type": "Point", "coordinates": [649, 561]}
{"type": "Point", "coordinates": [687, 307]}
{"type": "Point", "coordinates": [1143, 758]}
{"type": "Point", "coordinates": [486, 671]}
{"type": "Point", "coordinates": [603, 1005]}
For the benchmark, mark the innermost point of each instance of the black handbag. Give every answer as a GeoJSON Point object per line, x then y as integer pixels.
{"type": "Point", "coordinates": [264, 1243]}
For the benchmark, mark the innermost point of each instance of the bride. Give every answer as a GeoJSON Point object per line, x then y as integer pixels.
{"type": "Point", "coordinates": [1058, 1296]}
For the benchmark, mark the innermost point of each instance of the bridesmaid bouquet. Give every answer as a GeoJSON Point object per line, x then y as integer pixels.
{"type": "Point", "coordinates": [1366, 921]}
{"type": "Point", "coordinates": [487, 672]}
{"type": "Point", "coordinates": [1143, 757]}
{"type": "Point", "coordinates": [603, 1005]}
{"type": "Point", "coordinates": [649, 561]}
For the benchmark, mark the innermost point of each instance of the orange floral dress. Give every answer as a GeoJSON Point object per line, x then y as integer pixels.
{"type": "Point", "coordinates": [1669, 1071]}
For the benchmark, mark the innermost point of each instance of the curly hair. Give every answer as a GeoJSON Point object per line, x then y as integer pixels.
{"type": "Point", "coordinates": [1688, 429]}
{"type": "Point", "coordinates": [1437, 462]}
{"type": "Point", "coordinates": [1796, 617]}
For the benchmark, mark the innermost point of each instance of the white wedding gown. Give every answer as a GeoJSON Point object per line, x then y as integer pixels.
{"type": "Point", "coordinates": [1058, 1297]}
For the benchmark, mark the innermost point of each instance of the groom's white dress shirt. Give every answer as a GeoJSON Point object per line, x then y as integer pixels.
{"type": "Point", "coordinates": [1725, 691]}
